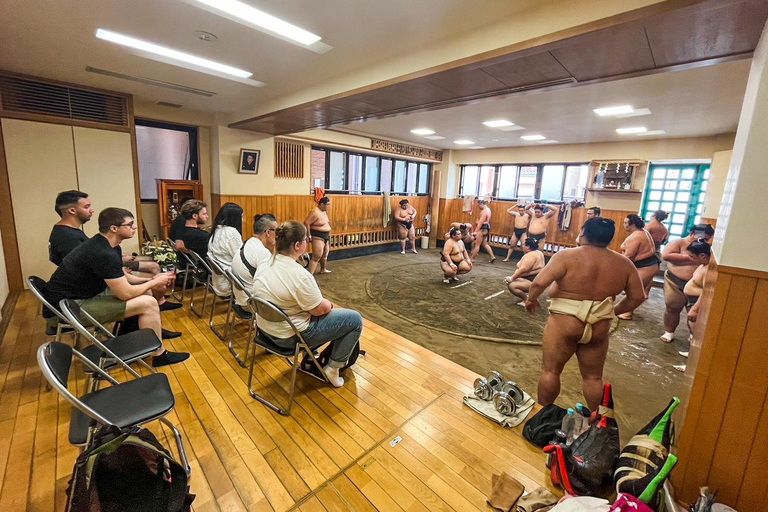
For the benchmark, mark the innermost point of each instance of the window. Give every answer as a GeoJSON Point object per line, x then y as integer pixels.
{"type": "Point", "coordinates": [507, 188]}
{"type": "Point", "coordinates": [678, 190]}
{"type": "Point", "coordinates": [359, 173]}
{"type": "Point", "coordinates": [336, 176]}
{"type": "Point", "coordinates": [165, 151]}
{"type": "Point", "coordinates": [547, 182]}
{"type": "Point", "coordinates": [371, 174]}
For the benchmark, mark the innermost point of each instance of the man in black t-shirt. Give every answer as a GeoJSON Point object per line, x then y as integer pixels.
{"type": "Point", "coordinates": [74, 208]}
{"type": "Point", "coordinates": [92, 274]}
{"type": "Point", "coordinates": [194, 238]}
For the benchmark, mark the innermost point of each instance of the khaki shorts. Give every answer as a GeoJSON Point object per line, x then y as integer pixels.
{"type": "Point", "coordinates": [104, 308]}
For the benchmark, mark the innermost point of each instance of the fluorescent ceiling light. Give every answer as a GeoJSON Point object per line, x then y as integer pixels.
{"type": "Point", "coordinates": [434, 137]}
{"type": "Point", "coordinates": [263, 20]}
{"type": "Point", "coordinates": [636, 113]}
{"type": "Point", "coordinates": [651, 132]}
{"type": "Point", "coordinates": [613, 111]}
{"type": "Point", "coordinates": [476, 147]}
{"type": "Point", "coordinates": [533, 137]}
{"type": "Point", "coordinates": [498, 123]}
{"type": "Point", "coordinates": [464, 142]}
{"type": "Point", "coordinates": [138, 44]}
{"type": "Point", "coordinates": [423, 131]}
{"type": "Point", "coordinates": [633, 129]}
{"type": "Point", "coordinates": [548, 141]}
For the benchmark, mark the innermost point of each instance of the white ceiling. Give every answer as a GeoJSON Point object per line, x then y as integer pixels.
{"type": "Point", "coordinates": [696, 102]}
{"type": "Point", "coordinates": [55, 39]}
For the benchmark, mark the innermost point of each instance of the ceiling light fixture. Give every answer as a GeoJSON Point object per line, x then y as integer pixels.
{"type": "Point", "coordinates": [434, 137]}
{"type": "Point", "coordinates": [263, 20]}
{"type": "Point", "coordinates": [533, 137]}
{"type": "Point", "coordinates": [549, 141]}
{"type": "Point", "coordinates": [464, 142]}
{"type": "Point", "coordinates": [651, 132]}
{"type": "Point", "coordinates": [498, 123]}
{"type": "Point", "coordinates": [175, 55]}
{"type": "Point", "coordinates": [631, 130]}
{"type": "Point", "coordinates": [423, 131]}
{"type": "Point", "coordinates": [613, 111]}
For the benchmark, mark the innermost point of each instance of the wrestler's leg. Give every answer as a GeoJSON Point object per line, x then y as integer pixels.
{"type": "Point", "coordinates": [591, 357]}
{"type": "Point", "coordinates": [412, 238]}
{"type": "Point", "coordinates": [318, 244]}
{"type": "Point", "coordinates": [557, 345]}
{"type": "Point", "coordinates": [519, 288]}
{"type": "Point", "coordinates": [478, 242]}
{"type": "Point", "coordinates": [674, 300]}
{"type": "Point", "coordinates": [464, 267]}
{"type": "Point", "coordinates": [512, 246]}
{"type": "Point", "coordinates": [448, 271]}
{"type": "Point", "coordinates": [488, 247]}
{"type": "Point", "coordinates": [324, 258]}
{"type": "Point", "coordinates": [402, 235]}
{"type": "Point", "coordinates": [646, 276]}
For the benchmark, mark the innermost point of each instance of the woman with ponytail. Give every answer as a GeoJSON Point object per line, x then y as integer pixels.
{"type": "Point", "coordinates": [288, 285]}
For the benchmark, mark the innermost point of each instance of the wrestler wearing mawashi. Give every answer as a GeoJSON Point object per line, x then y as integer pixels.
{"type": "Point", "coordinates": [586, 280]}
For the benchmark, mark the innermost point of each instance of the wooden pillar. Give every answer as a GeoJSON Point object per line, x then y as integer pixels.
{"type": "Point", "coordinates": [434, 201]}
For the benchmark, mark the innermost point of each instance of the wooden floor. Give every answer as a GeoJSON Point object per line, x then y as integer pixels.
{"type": "Point", "coordinates": [332, 454]}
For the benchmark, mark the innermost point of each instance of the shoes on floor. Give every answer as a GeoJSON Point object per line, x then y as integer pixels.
{"type": "Point", "coordinates": [679, 367]}
{"type": "Point", "coordinates": [667, 337]}
{"type": "Point", "coordinates": [169, 335]}
{"type": "Point", "coordinates": [446, 281]}
{"type": "Point", "coordinates": [455, 278]}
{"type": "Point", "coordinates": [333, 376]}
{"type": "Point", "coordinates": [683, 353]}
{"type": "Point", "coordinates": [169, 306]}
{"type": "Point", "coordinates": [169, 357]}
{"type": "Point", "coordinates": [414, 251]}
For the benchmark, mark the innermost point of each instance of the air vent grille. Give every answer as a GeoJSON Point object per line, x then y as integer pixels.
{"type": "Point", "coordinates": [22, 95]}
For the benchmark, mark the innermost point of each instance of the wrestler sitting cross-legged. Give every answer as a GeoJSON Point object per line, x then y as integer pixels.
{"type": "Point", "coordinates": [586, 280]}
{"type": "Point", "coordinates": [404, 217]}
{"type": "Point", "coordinates": [454, 259]}
{"type": "Point", "coordinates": [528, 268]}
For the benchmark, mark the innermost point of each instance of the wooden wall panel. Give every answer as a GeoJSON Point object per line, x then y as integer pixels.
{"type": "Point", "coordinates": [348, 213]}
{"type": "Point", "coordinates": [502, 223]}
{"type": "Point", "coordinates": [723, 439]}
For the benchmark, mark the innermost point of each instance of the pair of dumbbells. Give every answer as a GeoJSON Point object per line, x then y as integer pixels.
{"type": "Point", "coordinates": [505, 394]}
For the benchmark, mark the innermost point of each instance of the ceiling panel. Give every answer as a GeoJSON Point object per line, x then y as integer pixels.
{"type": "Point", "coordinates": [542, 67]}
{"type": "Point", "coordinates": [466, 82]}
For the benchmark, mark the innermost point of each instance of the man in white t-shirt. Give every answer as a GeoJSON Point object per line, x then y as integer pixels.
{"type": "Point", "coordinates": [254, 253]}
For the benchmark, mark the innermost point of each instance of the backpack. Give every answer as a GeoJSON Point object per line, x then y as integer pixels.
{"type": "Point", "coordinates": [540, 429]}
{"type": "Point", "coordinates": [309, 367]}
{"type": "Point", "coordinates": [127, 471]}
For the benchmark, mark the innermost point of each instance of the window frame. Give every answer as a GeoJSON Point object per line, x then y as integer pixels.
{"type": "Point", "coordinates": [537, 188]}
{"type": "Point", "coordinates": [194, 147]}
{"type": "Point", "coordinates": [380, 158]}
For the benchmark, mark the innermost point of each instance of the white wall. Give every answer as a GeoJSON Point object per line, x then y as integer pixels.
{"type": "Point", "coordinates": [718, 173]}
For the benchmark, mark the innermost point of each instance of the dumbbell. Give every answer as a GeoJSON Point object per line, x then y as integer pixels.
{"type": "Point", "coordinates": [509, 397]}
{"type": "Point", "coordinates": [486, 388]}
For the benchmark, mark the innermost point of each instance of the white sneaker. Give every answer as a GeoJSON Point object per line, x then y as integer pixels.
{"type": "Point", "coordinates": [679, 367]}
{"type": "Point", "coordinates": [414, 251]}
{"type": "Point", "coordinates": [446, 281]}
{"type": "Point", "coordinates": [455, 278]}
{"type": "Point", "coordinates": [402, 252]}
{"type": "Point", "coordinates": [683, 353]}
{"type": "Point", "coordinates": [333, 376]}
{"type": "Point", "coordinates": [667, 337]}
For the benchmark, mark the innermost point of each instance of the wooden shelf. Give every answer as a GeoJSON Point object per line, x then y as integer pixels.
{"type": "Point", "coordinates": [615, 190]}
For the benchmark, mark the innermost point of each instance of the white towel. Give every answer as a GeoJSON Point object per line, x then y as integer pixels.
{"type": "Point", "coordinates": [488, 410]}
{"type": "Point", "coordinates": [387, 210]}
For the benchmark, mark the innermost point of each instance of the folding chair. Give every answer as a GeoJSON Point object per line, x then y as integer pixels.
{"type": "Point", "coordinates": [124, 405]}
{"type": "Point", "coordinates": [129, 347]}
{"type": "Point", "coordinates": [238, 284]}
{"type": "Point", "coordinates": [179, 270]}
{"type": "Point", "coordinates": [200, 273]}
{"type": "Point", "coordinates": [216, 270]}
{"type": "Point", "coordinates": [268, 311]}
{"type": "Point", "coordinates": [36, 286]}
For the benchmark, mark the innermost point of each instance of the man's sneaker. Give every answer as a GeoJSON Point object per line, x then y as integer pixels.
{"type": "Point", "coordinates": [169, 357]}
{"type": "Point", "coordinates": [169, 306]}
{"type": "Point", "coordinates": [683, 353]}
{"type": "Point", "coordinates": [169, 335]}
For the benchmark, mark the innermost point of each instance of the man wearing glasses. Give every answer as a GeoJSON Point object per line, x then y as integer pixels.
{"type": "Point", "coordinates": [92, 274]}
{"type": "Point", "coordinates": [255, 252]}
{"type": "Point", "coordinates": [680, 268]}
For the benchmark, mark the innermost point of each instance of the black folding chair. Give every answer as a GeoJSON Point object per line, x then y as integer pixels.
{"type": "Point", "coordinates": [36, 286]}
{"type": "Point", "coordinates": [239, 285]}
{"type": "Point", "coordinates": [268, 311]}
{"type": "Point", "coordinates": [123, 405]}
{"type": "Point", "coordinates": [130, 347]}
{"type": "Point", "coordinates": [201, 275]}
{"type": "Point", "coordinates": [180, 269]}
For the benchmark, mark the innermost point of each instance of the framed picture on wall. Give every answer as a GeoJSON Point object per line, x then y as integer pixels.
{"type": "Point", "coordinates": [249, 161]}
